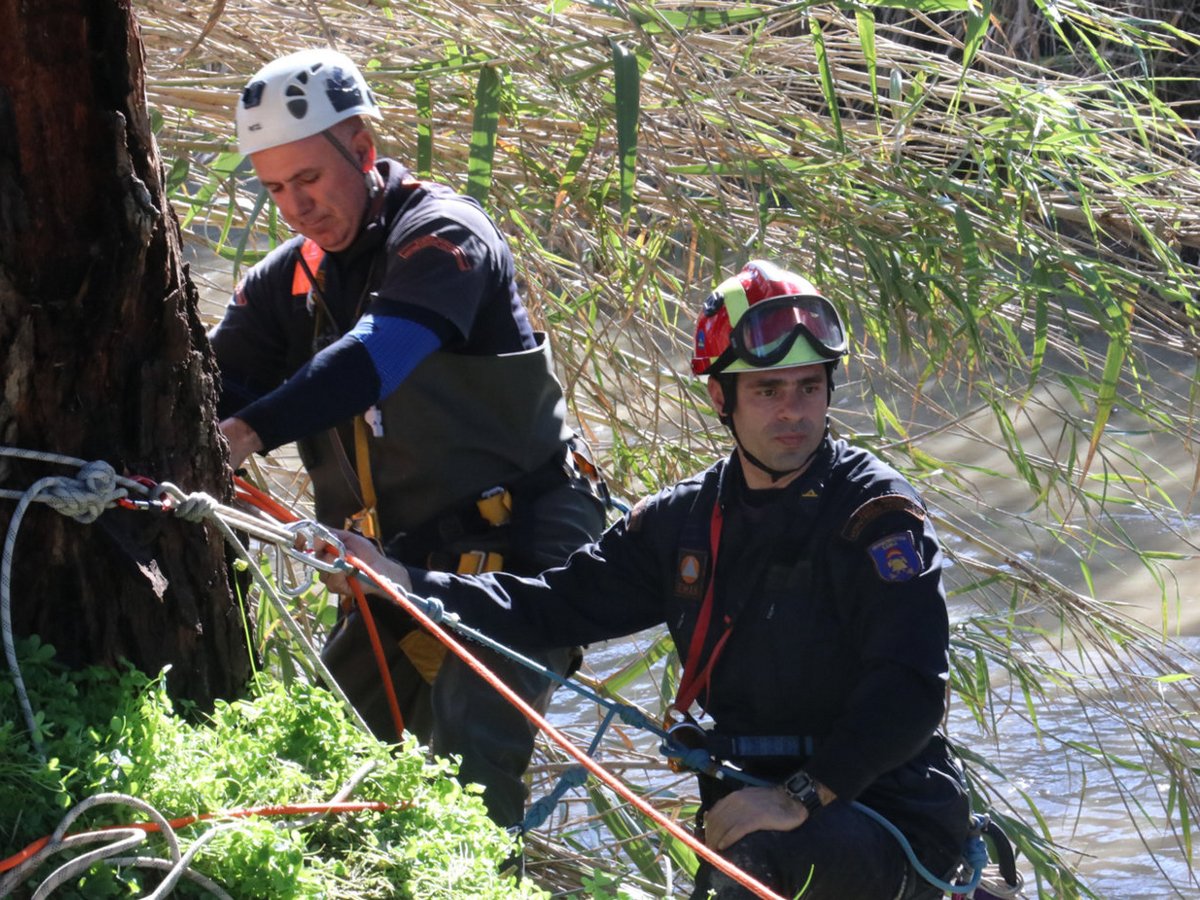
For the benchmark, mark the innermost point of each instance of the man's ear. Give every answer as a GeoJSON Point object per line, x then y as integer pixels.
{"type": "Point", "coordinates": [716, 393]}
{"type": "Point", "coordinates": [363, 145]}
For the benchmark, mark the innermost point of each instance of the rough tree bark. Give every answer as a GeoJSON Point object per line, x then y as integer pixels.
{"type": "Point", "coordinates": [103, 357]}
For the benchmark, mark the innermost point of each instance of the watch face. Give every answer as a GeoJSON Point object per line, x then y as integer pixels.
{"type": "Point", "coordinates": [799, 783]}
{"type": "Point", "coordinates": [801, 787]}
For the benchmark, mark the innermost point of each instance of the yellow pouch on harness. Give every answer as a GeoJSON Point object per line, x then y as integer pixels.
{"type": "Point", "coordinates": [425, 652]}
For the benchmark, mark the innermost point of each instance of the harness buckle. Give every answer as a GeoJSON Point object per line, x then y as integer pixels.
{"type": "Point", "coordinates": [365, 522]}
{"type": "Point", "coordinates": [476, 562]}
{"type": "Point", "coordinates": [495, 506]}
{"type": "Point", "coordinates": [685, 733]}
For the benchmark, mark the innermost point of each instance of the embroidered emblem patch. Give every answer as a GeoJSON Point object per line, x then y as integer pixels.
{"type": "Point", "coordinates": [689, 574]}
{"type": "Point", "coordinates": [433, 241]}
{"type": "Point", "coordinates": [896, 557]}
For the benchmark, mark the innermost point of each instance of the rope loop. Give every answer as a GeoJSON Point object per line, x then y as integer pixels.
{"type": "Point", "coordinates": [196, 507]}
{"type": "Point", "coordinates": [574, 777]}
{"type": "Point", "coordinates": [435, 609]}
{"type": "Point", "coordinates": [85, 497]}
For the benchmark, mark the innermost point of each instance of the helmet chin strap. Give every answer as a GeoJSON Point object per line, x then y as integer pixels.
{"type": "Point", "coordinates": [371, 180]}
{"type": "Point", "coordinates": [775, 474]}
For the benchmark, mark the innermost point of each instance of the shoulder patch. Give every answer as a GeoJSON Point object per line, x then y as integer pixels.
{"type": "Point", "coordinates": [879, 506]}
{"type": "Point", "coordinates": [435, 242]}
{"type": "Point", "coordinates": [896, 557]}
{"type": "Point", "coordinates": [633, 518]}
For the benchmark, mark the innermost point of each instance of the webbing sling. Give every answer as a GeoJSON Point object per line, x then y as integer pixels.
{"type": "Point", "coordinates": [695, 677]}
{"type": "Point", "coordinates": [367, 519]}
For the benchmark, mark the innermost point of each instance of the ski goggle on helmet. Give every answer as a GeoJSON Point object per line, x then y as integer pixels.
{"type": "Point", "coordinates": [766, 318]}
{"type": "Point", "coordinates": [299, 95]}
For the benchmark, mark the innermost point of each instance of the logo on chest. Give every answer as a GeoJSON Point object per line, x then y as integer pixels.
{"type": "Point", "coordinates": [689, 574]}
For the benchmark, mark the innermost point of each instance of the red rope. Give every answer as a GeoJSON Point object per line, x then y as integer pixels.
{"type": "Point", "coordinates": [710, 856]}
{"type": "Point", "coordinates": [291, 809]}
{"type": "Point", "coordinates": [258, 498]}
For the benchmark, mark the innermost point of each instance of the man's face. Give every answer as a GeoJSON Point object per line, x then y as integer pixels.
{"type": "Point", "coordinates": [318, 192]}
{"type": "Point", "coordinates": [779, 418]}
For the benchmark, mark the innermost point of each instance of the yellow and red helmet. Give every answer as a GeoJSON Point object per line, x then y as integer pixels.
{"type": "Point", "coordinates": [754, 321]}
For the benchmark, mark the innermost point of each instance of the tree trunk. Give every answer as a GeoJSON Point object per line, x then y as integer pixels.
{"type": "Point", "coordinates": [103, 357]}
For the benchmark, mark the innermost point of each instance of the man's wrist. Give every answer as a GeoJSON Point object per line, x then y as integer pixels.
{"type": "Point", "coordinates": [802, 788]}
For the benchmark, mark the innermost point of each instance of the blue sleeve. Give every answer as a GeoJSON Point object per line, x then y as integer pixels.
{"type": "Point", "coordinates": [395, 345]}
{"type": "Point", "coordinates": [343, 380]}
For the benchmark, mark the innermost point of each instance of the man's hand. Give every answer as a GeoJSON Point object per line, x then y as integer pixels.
{"type": "Point", "coordinates": [751, 809]}
{"type": "Point", "coordinates": [243, 440]}
{"type": "Point", "coordinates": [365, 550]}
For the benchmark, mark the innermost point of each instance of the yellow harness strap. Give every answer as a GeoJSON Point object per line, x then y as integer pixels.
{"type": "Point", "coordinates": [367, 519]}
{"type": "Point", "coordinates": [425, 652]}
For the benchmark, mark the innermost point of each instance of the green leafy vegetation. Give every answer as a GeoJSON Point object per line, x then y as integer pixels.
{"type": "Point", "coordinates": [112, 732]}
{"type": "Point", "coordinates": [1000, 195]}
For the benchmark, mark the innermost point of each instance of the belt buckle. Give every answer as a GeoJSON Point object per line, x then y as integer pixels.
{"type": "Point", "coordinates": [476, 562]}
{"type": "Point", "coordinates": [685, 733]}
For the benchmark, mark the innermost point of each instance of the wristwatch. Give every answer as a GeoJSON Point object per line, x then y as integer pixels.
{"type": "Point", "coordinates": [802, 788]}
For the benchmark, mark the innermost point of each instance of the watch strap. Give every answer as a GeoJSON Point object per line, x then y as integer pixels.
{"type": "Point", "coordinates": [802, 788]}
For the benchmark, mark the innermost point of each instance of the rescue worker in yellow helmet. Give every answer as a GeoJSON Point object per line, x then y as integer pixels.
{"type": "Point", "coordinates": [801, 580]}
{"type": "Point", "coordinates": [388, 339]}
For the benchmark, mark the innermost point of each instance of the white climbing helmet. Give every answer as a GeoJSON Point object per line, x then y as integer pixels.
{"type": "Point", "coordinates": [300, 95]}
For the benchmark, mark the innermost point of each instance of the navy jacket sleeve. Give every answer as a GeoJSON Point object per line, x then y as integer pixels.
{"type": "Point", "coordinates": [604, 590]}
{"type": "Point", "coordinates": [901, 628]}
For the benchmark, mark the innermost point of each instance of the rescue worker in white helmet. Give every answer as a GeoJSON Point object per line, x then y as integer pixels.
{"type": "Point", "coordinates": [388, 339]}
{"type": "Point", "coordinates": [801, 581]}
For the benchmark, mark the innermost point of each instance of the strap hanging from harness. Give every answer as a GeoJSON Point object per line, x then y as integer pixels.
{"type": "Point", "coordinates": [695, 676]}
{"type": "Point", "coordinates": [308, 279]}
{"type": "Point", "coordinates": [366, 519]}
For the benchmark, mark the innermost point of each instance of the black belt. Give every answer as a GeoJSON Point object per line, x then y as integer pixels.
{"type": "Point", "coordinates": [779, 746]}
{"type": "Point", "coordinates": [426, 545]}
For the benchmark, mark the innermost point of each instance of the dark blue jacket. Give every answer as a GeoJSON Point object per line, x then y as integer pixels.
{"type": "Point", "coordinates": [839, 631]}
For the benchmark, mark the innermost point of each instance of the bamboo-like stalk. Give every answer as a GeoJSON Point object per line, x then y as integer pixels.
{"type": "Point", "coordinates": [1013, 243]}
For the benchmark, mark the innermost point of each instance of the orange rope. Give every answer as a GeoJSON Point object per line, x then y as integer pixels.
{"type": "Point", "coordinates": [711, 857]}
{"type": "Point", "coordinates": [292, 809]}
{"type": "Point", "coordinates": [380, 659]}
{"type": "Point", "coordinates": [264, 501]}
{"type": "Point", "coordinates": [261, 500]}
{"type": "Point", "coordinates": [268, 504]}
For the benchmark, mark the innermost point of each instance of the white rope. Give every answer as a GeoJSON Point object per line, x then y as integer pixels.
{"type": "Point", "coordinates": [119, 840]}
{"type": "Point", "coordinates": [97, 488]}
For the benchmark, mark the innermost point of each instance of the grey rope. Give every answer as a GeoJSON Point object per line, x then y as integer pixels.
{"type": "Point", "coordinates": [96, 488]}
{"type": "Point", "coordinates": [82, 498]}
{"type": "Point", "coordinates": [118, 840]}
{"type": "Point", "coordinates": [57, 841]}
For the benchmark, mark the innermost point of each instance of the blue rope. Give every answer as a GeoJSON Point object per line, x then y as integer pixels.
{"type": "Point", "coordinates": [575, 776]}
{"type": "Point", "coordinates": [696, 759]}
{"type": "Point", "coordinates": [974, 851]}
